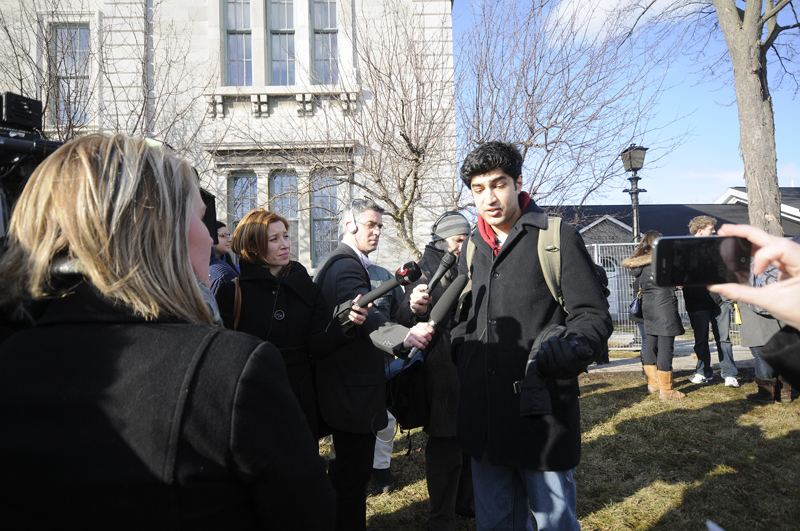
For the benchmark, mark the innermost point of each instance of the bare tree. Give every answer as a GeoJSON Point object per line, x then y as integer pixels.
{"type": "Point", "coordinates": [757, 34]}
{"type": "Point", "coordinates": [570, 85]}
{"type": "Point", "coordinates": [123, 72]}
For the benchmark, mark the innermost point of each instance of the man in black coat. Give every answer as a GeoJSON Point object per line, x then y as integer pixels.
{"type": "Point", "coordinates": [351, 382]}
{"type": "Point", "coordinates": [508, 308]}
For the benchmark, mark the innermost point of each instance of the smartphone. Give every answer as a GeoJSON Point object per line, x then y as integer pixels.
{"type": "Point", "coordinates": [700, 261]}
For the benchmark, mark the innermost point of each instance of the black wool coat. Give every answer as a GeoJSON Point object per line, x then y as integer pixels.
{"type": "Point", "coordinates": [113, 422]}
{"type": "Point", "coordinates": [659, 304]}
{"type": "Point", "coordinates": [441, 374]}
{"type": "Point", "coordinates": [351, 385]}
{"type": "Point", "coordinates": [289, 312]}
{"type": "Point", "coordinates": [508, 307]}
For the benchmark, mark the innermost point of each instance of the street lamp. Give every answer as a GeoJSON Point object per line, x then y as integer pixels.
{"type": "Point", "coordinates": [633, 159]}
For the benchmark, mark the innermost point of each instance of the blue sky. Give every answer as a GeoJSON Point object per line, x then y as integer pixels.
{"type": "Point", "coordinates": [701, 169]}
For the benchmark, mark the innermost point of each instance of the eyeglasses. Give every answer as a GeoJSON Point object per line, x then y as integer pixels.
{"type": "Point", "coordinates": [224, 235]}
{"type": "Point", "coordinates": [371, 225]}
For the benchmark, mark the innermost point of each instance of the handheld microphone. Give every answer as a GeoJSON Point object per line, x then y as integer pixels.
{"type": "Point", "coordinates": [448, 261]}
{"type": "Point", "coordinates": [442, 308]}
{"type": "Point", "coordinates": [404, 276]}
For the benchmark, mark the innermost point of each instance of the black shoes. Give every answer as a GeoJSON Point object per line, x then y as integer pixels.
{"type": "Point", "coordinates": [383, 480]}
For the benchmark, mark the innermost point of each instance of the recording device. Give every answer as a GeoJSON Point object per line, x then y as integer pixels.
{"type": "Point", "coordinates": [442, 308]}
{"type": "Point", "coordinates": [700, 261]}
{"type": "Point", "coordinates": [21, 149]}
{"type": "Point", "coordinates": [404, 276]}
{"type": "Point", "coordinates": [448, 261]}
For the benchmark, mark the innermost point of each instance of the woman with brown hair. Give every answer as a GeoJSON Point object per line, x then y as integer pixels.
{"type": "Point", "coordinates": [280, 303]}
{"type": "Point", "coordinates": [661, 320]}
{"type": "Point", "coordinates": [123, 406]}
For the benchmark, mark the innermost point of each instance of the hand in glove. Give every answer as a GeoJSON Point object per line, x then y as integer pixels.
{"type": "Point", "coordinates": [563, 358]}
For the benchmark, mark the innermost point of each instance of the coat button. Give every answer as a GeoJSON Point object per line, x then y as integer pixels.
{"type": "Point", "coordinates": [490, 371]}
{"type": "Point", "coordinates": [495, 274]}
{"type": "Point", "coordinates": [492, 322]}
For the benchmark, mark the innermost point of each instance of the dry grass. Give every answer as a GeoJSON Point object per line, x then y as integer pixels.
{"type": "Point", "coordinates": [652, 464]}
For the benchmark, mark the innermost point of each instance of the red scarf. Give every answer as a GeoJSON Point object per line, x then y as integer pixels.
{"type": "Point", "coordinates": [488, 234]}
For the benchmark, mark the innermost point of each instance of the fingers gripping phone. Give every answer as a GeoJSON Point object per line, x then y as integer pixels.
{"type": "Point", "coordinates": [700, 261]}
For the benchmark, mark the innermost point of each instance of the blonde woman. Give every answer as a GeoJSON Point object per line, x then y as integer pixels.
{"type": "Point", "coordinates": [123, 407]}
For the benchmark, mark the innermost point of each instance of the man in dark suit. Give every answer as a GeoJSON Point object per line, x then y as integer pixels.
{"type": "Point", "coordinates": [350, 382]}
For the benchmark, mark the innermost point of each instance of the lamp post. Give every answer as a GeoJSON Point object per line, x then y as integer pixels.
{"type": "Point", "coordinates": [633, 159]}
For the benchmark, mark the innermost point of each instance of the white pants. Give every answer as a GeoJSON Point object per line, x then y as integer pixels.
{"type": "Point", "coordinates": [384, 444]}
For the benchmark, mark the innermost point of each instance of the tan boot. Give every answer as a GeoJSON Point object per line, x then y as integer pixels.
{"type": "Point", "coordinates": [665, 385]}
{"type": "Point", "coordinates": [652, 380]}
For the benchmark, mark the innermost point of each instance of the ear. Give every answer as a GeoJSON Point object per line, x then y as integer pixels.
{"type": "Point", "coordinates": [518, 184]}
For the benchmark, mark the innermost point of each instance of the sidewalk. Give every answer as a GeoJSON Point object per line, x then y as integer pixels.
{"type": "Point", "coordinates": [683, 360]}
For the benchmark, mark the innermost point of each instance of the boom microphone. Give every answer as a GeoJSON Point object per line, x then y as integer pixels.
{"type": "Point", "coordinates": [404, 276]}
{"type": "Point", "coordinates": [442, 308]}
{"type": "Point", "coordinates": [448, 261]}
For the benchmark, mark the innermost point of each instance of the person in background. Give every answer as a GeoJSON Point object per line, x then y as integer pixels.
{"type": "Point", "coordinates": [384, 441]}
{"type": "Point", "coordinates": [279, 303]}
{"type": "Point", "coordinates": [221, 268]}
{"type": "Point", "coordinates": [123, 406]}
{"type": "Point", "coordinates": [704, 308]}
{"type": "Point", "coordinates": [661, 320]}
{"type": "Point", "coordinates": [448, 469]}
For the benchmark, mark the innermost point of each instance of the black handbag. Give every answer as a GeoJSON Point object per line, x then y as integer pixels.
{"type": "Point", "coordinates": [636, 303]}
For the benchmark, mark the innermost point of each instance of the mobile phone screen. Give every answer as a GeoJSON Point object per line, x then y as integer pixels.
{"type": "Point", "coordinates": [693, 261]}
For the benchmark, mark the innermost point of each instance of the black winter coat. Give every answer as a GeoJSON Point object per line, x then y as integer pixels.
{"type": "Point", "coordinates": [351, 385]}
{"type": "Point", "coordinates": [659, 304]}
{"type": "Point", "coordinates": [508, 307]}
{"type": "Point", "coordinates": [290, 313]}
{"type": "Point", "coordinates": [113, 422]}
{"type": "Point", "coordinates": [441, 374]}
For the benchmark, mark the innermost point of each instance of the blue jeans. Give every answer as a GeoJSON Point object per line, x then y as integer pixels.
{"type": "Point", "coordinates": [763, 370]}
{"type": "Point", "coordinates": [503, 495]}
{"type": "Point", "coordinates": [720, 320]}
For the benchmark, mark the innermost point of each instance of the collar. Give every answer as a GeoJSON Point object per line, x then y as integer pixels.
{"type": "Point", "coordinates": [361, 256]}
{"type": "Point", "coordinates": [488, 234]}
{"type": "Point", "coordinates": [296, 278]}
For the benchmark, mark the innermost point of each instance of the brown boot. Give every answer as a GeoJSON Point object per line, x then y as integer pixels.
{"type": "Point", "coordinates": [652, 380]}
{"type": "Point", "coordinates": [665, 386]}
{"type": "Point", "coordinates": [786, 390]}
{"type": "Point", "coordinates": [766, 391]}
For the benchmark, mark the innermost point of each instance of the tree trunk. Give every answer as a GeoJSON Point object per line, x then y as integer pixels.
{"type": "Point", "coordinates": [742, 34]}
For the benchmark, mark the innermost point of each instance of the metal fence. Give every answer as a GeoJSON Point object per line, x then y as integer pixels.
{"type": "Point", "coordinates": [621, 284]}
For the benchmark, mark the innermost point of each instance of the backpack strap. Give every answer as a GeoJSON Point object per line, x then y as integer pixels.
{"type": "Point", "coordinates": [237, 304]}
{"type": "Point", "coordinates": [550, 258]}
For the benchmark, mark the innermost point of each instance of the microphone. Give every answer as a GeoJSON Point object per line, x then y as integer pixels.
{"type": "Point", "coordinates": [404, 276]}
{"type": "Point", "coordinates": [442, 308]}
{"type": "Point", "coordinates": [448, 261]}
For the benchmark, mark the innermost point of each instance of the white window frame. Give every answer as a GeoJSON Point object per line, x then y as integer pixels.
{"type": "Point", "coordinates": [331, 33]}
{"type": "Point", "coordinates": [235, 32]}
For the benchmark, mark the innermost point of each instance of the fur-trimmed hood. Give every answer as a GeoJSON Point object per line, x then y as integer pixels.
{"type": "Point", "coordinates": [639, 261]}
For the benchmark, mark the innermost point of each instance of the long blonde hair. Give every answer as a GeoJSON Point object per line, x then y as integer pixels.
{"type": "Point", "coordinates": [120, 210]}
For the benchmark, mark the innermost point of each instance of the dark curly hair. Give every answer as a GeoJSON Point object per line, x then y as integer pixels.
{"type": "Point", "coordinates": [490, 156]}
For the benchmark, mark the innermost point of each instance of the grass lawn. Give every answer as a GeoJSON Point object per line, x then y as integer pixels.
{"type": "Point", "coordinates": [650, 463]}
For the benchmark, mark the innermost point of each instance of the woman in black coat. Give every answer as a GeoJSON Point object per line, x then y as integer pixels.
{"type": "Point", "coordinates": [280, 303]}
{"type": "Point", "coordinates": [661, 320]}
{"type": "Point", "coordinates": [123, 406]}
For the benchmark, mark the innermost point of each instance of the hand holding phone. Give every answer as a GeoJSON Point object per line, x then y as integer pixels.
{"type": "Point", "coordinates": [700, 261]}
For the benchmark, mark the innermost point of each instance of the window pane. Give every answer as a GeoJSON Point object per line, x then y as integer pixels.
{"type": "Point", "coordinates": [324, 14]}
{"type": "Point", "coordinates": [70, 68]}
{"type": "Point", "coordinates": [324, 215]}
{"type": "Point", "coordinates": [283, 194]}
{"type": "Point", "coordinates": [245, 195]}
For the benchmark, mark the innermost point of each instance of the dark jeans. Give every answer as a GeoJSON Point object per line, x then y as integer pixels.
{"type": "Point", "coordinates": [349, 473]}
{"type": "Point", "coordinates": [720, 320]}
{"type": "Point", "coordinates": [763, 370]}
{"type": "Point", "coordinates": [659, 351]}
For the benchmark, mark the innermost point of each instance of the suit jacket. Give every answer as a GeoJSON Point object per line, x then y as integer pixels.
{"type": "Point", "coordinates": [350, 382]}
{"type": "Point", "coordinates": [113, 422]}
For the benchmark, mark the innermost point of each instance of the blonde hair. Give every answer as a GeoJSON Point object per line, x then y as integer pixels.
{"type": "Point", "coordinates": [120, 210]}
{"type": "Point", "coordinates": [700, 222]}
{"type": "Point", "coordinates": [250, 239]}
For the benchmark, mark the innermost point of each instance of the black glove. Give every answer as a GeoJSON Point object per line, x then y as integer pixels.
{"type": "Point", "coordinates": [563, 358]}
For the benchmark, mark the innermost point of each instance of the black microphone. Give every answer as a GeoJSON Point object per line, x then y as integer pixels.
{"type": "Point", "coordinates": [442, 308]}
{"type": "Point", "coordinates": [448, 261]}
{"type": "Point", "coordinates": [404, 276]}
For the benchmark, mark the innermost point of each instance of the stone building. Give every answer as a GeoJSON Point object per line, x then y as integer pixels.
{"type": "Point", "coordinates": [297, 106]}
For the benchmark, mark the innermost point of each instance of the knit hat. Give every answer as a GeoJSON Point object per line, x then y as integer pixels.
{"type": "Point", "coordinates": [451, 223]}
